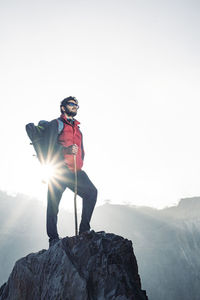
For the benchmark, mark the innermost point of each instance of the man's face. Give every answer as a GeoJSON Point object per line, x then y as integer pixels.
{"type": "Point", "coordinates": [71, 108]}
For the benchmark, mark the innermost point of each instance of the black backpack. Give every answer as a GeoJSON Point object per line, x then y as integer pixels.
{"type": "Point", "coordinates": [44, 138]}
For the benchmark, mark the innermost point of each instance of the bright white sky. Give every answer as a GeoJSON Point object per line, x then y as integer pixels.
{"type": "Point", "coordinates": [134, 67]}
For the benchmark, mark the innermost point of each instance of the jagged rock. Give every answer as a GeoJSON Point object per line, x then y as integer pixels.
{"type": "Point", "coordinates": [92, 266]}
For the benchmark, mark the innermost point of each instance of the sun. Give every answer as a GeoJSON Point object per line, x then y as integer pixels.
{"type": "Point", "coordinates": [47, 172]}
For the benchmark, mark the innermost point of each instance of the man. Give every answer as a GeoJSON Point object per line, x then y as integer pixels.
{"type": "Point", "coordinates": [70, 143]}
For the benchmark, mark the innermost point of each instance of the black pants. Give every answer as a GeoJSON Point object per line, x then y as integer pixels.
{"type": "Point", "coordinates": [85, 189]}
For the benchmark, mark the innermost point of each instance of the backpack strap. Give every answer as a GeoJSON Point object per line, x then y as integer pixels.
{"type": "Point", "coordinates": [60, 126]}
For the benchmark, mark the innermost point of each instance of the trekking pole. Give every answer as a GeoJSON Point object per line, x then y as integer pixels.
{"type": "Point", "coordinates": [75, 194]}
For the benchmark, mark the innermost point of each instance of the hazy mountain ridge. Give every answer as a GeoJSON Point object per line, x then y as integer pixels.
{"type": "Point", "coordinates": [166, 242]}
{"type": "Point", "coordinates": [90, 266]}
{"type": "Point", "coordinates": [188, 208]}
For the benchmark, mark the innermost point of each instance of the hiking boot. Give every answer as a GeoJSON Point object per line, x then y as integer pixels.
{"type": "Point", "coordinates": [52, 242]}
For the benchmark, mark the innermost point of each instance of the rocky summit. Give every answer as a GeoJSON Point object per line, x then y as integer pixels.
{"type": "Point", "coordinates": [92, 266]}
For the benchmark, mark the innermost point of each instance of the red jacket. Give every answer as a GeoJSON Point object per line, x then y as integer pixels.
{"type": "Point", "coordinates": [71, 135]}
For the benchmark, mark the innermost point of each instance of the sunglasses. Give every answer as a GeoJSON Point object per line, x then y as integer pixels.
{"type": "Point", "coordinates": [72, 104]}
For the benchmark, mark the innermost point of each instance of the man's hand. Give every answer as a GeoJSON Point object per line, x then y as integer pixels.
{"type": "Point", "coordinates": [73, 149]}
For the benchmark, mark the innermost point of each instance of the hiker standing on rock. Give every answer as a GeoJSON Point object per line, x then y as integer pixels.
{"type": "Point", "coordinates": [70, 143]}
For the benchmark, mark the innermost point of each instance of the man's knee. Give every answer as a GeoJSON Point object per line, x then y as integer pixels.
{"type": "Point", "coordinates": [93, 195]}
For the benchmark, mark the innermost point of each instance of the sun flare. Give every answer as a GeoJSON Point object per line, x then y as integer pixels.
{"type": "Point", "coordinates": [47, 172]}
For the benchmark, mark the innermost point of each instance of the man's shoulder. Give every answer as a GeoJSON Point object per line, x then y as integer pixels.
{"type": "Point", "coordinates": [56, 126]}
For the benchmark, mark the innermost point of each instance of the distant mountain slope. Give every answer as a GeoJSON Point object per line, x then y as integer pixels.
{"type": "Point", "coordinates": [23, 229]}
{"type": "Point", "coordinates": [166, 242]}
{"type": "Point", "coordinates": [88, 267]}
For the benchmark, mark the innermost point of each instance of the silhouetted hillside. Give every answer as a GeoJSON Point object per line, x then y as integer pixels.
{"type": "Point", "coordinates": [87, 267]}
{"type": "Point", "coordinates": [166, 242]}
{"type": "Point", "coordinates": [23, 229]}
{"type": "Point", "coordinates": [187, 208]}
{"type": "Point", "coordinates": [167, 248]}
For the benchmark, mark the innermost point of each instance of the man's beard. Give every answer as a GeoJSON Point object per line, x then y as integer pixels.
{"type": "Point", "coordinates": [70, 113]}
